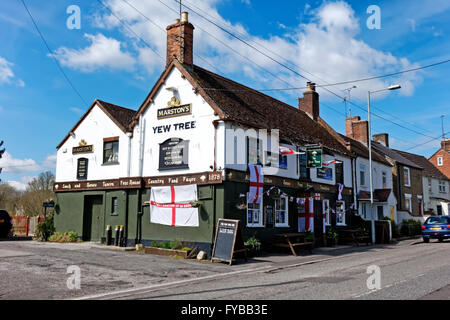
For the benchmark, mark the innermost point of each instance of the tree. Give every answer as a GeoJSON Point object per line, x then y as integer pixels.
{"type": "Point", "coordinates": [2, 151]}
{"type": "Point", "coordinates": [9, 198]}
{"type": "Point", "coordinates": [39, 190]}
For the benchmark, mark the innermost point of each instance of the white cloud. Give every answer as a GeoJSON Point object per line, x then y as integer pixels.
{"type": "Point", "coordinates": [78, 111]}
{"type": "Point", "coordinates": [102, 53]}
{"type": "Point", "coordinates": [7, 75]}
{"type": "Point", "coordinates": [50, 162]}
{"type": "Point", "coordinates": [17, 166]}
{"type": "Point", "coordinates": [327, 46]}
{"type": "Point", "coordinates": [22, 184]}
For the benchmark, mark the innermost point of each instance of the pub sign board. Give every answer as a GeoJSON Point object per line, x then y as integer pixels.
{"type": "Point", "coordinates": [175, 111]}
{"type": "Point", "coordinates": [325, 173]}
{"type": "Point", "coordinates": [173, 154]}
{"type": "Point", "coordinates": [83, 149]}
{"type": "Point", "coordinates": [82, 169]}
{"type": "Point", "coordinates": [314, 158]}
{"type": "Point", "coordinates": [228, 241]}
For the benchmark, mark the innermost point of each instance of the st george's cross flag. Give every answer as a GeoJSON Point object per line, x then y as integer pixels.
{"type": "Point", "coordinates": [171, 206]}
{"type": "Point", "coordinates": [306, 215]}
{"type": "Point", "coordinates": [256, 184]}
{"type": "Point", "coordinates": [286, 150]}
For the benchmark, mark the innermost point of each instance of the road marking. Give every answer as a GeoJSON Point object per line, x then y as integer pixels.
{"type": "Point", "coordinates": [158, 286]}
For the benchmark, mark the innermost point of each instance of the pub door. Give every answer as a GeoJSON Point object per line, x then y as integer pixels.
{"type": "Point", "coordinates": [318, 223]}
{"type": "Point", "coordinates": [92, 218]}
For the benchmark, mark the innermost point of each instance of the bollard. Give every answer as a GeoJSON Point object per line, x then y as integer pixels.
{"type": "Point", "coordinates": [116, 238]}
{"type": "Point", "coordinates": [108, 235]}
{"type": "Point", "coordinates": [121, 236]}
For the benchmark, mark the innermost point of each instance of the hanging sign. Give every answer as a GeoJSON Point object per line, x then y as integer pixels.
{"type": "Point", "coordinates": [314, 158]}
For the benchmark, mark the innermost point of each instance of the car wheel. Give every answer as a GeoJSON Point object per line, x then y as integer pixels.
{"type": "Point", "coordinates": [426, 240]}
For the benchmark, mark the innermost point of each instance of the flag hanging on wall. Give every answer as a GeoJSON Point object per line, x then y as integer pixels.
{"type": "Point", "coordinates": [171, 206]}
{"type": "Point", "coordinates": [309, 209]}
{"type": "Point", "coordinates": [256, 183]}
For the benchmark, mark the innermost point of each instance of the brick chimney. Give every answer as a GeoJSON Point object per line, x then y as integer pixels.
{"type": "Point", "coordinates": [445, 144]}
{"type": "Point", "coordinates": [182, 50]}
{"type": "Point", "coordinates": [310, 101]}
{"type": "Point", "coordinates": [382, 138]}
{"type": "Point", "coordinates": [357, 129]}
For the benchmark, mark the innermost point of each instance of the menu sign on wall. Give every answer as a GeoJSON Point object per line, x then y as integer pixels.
{"type": "Point", "coordinates": [173, 154]}
{"type": "Point", "coordinates": [82, 169]}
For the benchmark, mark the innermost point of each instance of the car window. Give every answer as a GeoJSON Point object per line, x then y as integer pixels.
{"type": "Point", "coordinates": [437, 220]}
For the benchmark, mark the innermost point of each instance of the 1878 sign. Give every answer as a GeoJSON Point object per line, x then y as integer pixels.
{"type": "Point", "coordinates": [173, 154]}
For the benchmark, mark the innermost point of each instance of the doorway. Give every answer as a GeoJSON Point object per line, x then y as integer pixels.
{"type": "Point", "coordinates": [93, 207]}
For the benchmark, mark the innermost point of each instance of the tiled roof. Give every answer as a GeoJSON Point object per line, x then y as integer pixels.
{"type": "Point", "coordinates": [429, 170]}
{"type": "Point", "coordinates": [255, 109]}
{"type": "Point", "coordinates": [394, 155]}
{"type": "Point", "coordinates": [123, 116]}
{"type": "Point", "coordinates": [361, 150]}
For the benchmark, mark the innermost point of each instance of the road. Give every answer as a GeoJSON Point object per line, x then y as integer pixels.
{"type": "Point", "coordinates": [408, 270]}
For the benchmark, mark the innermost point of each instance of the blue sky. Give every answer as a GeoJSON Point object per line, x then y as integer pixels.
{"type": "Point", "coordinates": [326, 41]}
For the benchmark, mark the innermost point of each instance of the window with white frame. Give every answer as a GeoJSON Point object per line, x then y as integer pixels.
{"type": "Point", "coordinates": [281, 212]}
{"type": "Point", "coordinates": [406, 177]}
{"type": "Point", "coordinates": [326, 209]}
{"type": "Point", "coordinates": [440, 161]}
{"type": "Point", "coordinates": [340, 213]}
{"type": "Point", "coordinates": [408, 202]}
{"type": "Point", "coordinates": [362, 175]}
{"type": "Point", "coordinates": [442, 186]}
{"type": "Point", "coordinates": [254, 214]}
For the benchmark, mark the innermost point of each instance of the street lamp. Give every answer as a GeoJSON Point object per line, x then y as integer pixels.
{"type": "Point", "coordinates": [393, 87]}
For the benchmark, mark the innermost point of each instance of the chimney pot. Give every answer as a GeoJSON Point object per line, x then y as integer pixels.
{"type": "Point", "coordinates": [184, 17]}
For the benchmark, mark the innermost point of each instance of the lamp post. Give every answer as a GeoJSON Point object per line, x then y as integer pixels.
{"type": "Point", "coordinates": [394, 87]}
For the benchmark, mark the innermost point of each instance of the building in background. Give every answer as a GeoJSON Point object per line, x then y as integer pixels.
{"type": "Point", "coordinates": [406, 178]}
{"type": "Point", "coordinates": [436, 193]}
{"type": "Point", "coordinates": [441, 158]}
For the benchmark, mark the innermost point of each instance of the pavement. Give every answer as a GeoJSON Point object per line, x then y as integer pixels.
{"type": "Point", "coordinates": [36, 270]}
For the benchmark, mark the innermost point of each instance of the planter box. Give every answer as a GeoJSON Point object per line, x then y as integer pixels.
{"type": "Point", "coordinates": [167, 252]}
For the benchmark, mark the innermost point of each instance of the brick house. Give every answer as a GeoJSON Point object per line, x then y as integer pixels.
{"type": "Point", "coordinates": [441, 158]}
{"type": "Point", "coordinates": [407, 180]}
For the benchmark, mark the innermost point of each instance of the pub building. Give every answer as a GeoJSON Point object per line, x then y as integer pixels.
{"type": "Point", "coordinates": [177, 145]}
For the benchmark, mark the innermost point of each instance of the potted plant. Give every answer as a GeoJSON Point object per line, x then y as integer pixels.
{"type": "Point", "coordinates": [253, 246]}
{"type": "Point", "coordinates": [309, 236]}
{"type": "Point", "coordinates": [332, 238]}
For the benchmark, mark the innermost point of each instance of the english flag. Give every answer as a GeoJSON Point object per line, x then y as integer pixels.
{"type": "Point", "coordinates": [306, 215]}
{"type": "Point", "coordinates": [256, 183]}
{"type": "Point", "coordinates": [286, 150]}
{"type": "Point", "coordinates": [327, 163]}
{"type": "Point", "coordinates": [171, 206]}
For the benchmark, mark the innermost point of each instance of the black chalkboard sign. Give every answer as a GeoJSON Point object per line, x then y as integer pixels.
{"type": "Point", "coordinates": [82, 169]}
{"type": "Point", "coordinates": [228, 241]}
{"type": "Point", "coordinates": [173, 154]}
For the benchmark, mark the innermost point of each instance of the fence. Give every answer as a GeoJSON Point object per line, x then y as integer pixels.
{"type": "Point", "coordinates": [25, 226]}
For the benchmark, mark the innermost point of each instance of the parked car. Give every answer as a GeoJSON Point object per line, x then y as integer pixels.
{"type": "Point", "coordinates": [5, 224]}
{"type": "Point", "coordinates": [436, 228]}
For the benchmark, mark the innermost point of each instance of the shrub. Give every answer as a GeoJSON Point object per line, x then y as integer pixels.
{"type": "Point", "coordinates": [253, 243]}
{"type": "Point", "coordinates": [45, 229]}
{"type": "Point", "coordinates": [411, 227]}
{"type": "Point", "coordinates": [70, 236]}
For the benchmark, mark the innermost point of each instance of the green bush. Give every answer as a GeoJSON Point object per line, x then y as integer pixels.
{"type": "Point", "coordinates": [253, 243]}
{"type": "Point", "coordinates": [173, 245]}
{"type": "Point", "coordinates": [45, 229]}
{"type": "Point", "coordinates": [70, 236]}
{"type": "Point", "coordinates": [411, 227]}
